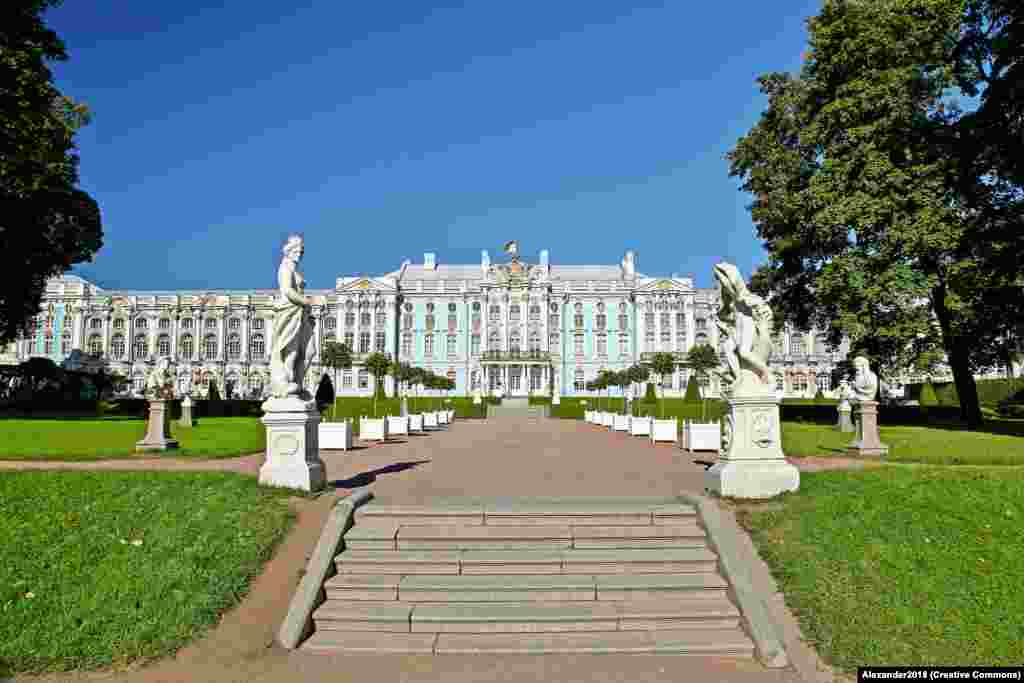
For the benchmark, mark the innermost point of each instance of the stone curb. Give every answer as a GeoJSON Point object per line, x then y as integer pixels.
{"type": "Point", "coordinates": [721, 536]}
{"type": "Point", "coordinates": [298, 623]}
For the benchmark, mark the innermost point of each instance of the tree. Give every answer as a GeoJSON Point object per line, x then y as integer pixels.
{"type": "Point", "coordinates": [928, 397]}
{"type": "Point", "coordinates": [378, 365]}
{"type": "Point", "coordinates": [662, 364]}
{"type": "Point", "coordinates": [873, 228]}
{"type": "Point", "coordinates": [47, 223]}
{"type": "Point", "coordinates": [693, 394]}
{"type": "Point", "coordinates": [336, 356]}
{"type": "Point", "coordinates": [325, 392]}
{"type": "Point", "coordinates": [639, 373]}
{"type": "Point", "coordinates": [702, 360]}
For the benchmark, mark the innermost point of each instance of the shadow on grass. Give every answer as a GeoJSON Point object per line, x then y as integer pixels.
{"type": "Point", "coordinates": [367, 478]}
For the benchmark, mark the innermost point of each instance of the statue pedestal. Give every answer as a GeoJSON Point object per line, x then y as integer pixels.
{"type": "Point", "coordinates": [293, 445]}
{"type": "Point", "coordinates": [751, 463]}
{"type": "Point", "coordinates": [158, 429]}
{"type": "Point", "coordinates": [186, 413]}
{"type": "Point", "coordinates": [845, 423]}
{"type": "Point", "coordinates": [867, 444]}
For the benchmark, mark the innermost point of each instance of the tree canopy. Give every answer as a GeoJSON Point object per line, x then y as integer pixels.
{"type": "Point", "coordinates": [47, 223]}
{"type": "Point", "coordinates": [883, 220]}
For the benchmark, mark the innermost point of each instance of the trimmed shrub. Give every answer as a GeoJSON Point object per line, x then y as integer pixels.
{"type": "Point", "coordinates": [927, 397]}
{"type": "Point", "coordinates": [819, 397]}
{"type": "Point", "coordinates": [650, 396]}
{"type": "Point", "coordinates": [692, 390]}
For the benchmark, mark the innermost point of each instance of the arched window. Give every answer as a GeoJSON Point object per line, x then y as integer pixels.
{"type": "Point", "coordinates": [350, 319]}
{"type": "Point", "coordinates": [234, 347]}
{"type": "Point", "coordinates": [450, 345]}
{"type": "Point", "coordinates": [256, 346]}
{"type": "Point", "coordinates": [494, 341]}
{"type": "Point", "coordinates": [495, 313]}
{"type": "Point", "coordinates": [513, 313]}
{"type": "Point", "coordinates": [364, 318]}
{"type": "Point", "coordinates": [428, 345]}
{"type": "Point", "coordinates": [514, 342]}
{"type": "Point", "coordinates": [210, 346]}
{"type": "Point", "coordinates": [364, 342]}
{"type": "Point", "coordinates": [553, 342]}
{"type": "Point", "coordinates": [407, 344]}
{"type": "Point", "coordinates": [117, 346]}
{"type": "Point", "coordinates": [602, 345]}
{"type": "Point", "coordinates": [452, 323]}
{"type": "Point", "coordinates": [429, 321]}
{"type": "Point", "coordinates": [65, 343]}
{"type": "Point", "coordinates": [381, 318]}
{"type": "Point", "coordinates": [701, 338]}
{"type": "Point", "coordinates": [96, 345]}
{"type": "Point", "coordinates": [141, 348]}
{"type": "Point", "coordinates": [534, 342]}
{"type": "Point", "coordinates": [379, 342]}
{"type": "Point", "coordinates": [578, 382]}
{"type": "Point", "coordinates": [163, 345]}
{"type": "Point", "coordinates": [535, 313]}
{"type": "Point", "coordinates": [187, 347]}
{"type": "Point", "coordinates": [48, 343]}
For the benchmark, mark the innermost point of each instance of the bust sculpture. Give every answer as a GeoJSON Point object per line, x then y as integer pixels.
{"type": "Point", "coordinates": [745, 322]}
{"type": "Point", "coordinates": [160, 382]}
{"type": "Point", "coordinates": [865, 382]}
{"type": "Point", "coordinates": [293, 339]}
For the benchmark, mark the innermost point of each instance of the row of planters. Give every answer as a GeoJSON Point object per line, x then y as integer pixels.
{"type": "Point", "coordinates": [693, 436]}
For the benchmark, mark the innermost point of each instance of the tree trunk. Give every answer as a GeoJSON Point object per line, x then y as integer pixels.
{"type": "Point", "coordinates": [958, 355]}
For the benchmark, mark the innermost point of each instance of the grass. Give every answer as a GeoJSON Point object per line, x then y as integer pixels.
{"type": "Point", "coordinates": [895, 565]}
{"type": "Point", "coordinates": [104, 568]}
{"type": "Point", "coordinates": [99, 438]}
{"type": "Point", "coordinates": [1003, 444]}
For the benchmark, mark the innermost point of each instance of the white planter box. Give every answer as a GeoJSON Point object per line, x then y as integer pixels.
{"type": "Point", "coordinates": [429, 420]}
{"type": "Point", "coordinates": [416, 422]}
{"type": "Point", "coordinates": [606, 419]}
{"type": "Point", "coordinates": [335, 435]}
{"type": "Point", "coordinates": [702, 436]}
{"type": "Point", "coordinates": [640, 426]}
{"type": "Point", "coordinates": [442, 417]}
{"type": "Point", "coordinates": [373, 429]}
{"type": "Point", "coordinates": [451, 415]}
{"type": "Point", "coordinates": [398, 425]}
{"type": "Point", "coordinates": [664, 430]}
{"type": "Point", "coordinates": [620, 423]}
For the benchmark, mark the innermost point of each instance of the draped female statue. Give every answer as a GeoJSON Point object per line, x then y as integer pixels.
{"type": "Point", "coordinates": [293, 340]}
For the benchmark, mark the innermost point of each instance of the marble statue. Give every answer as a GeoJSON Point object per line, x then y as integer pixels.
{"type": "Point", "coordinates": [865, 382]}
{"type": "Point", "coordinates": [160, 381]}
{"type": "Point", "coordinates": [745, 323]}
{"type": "Point", "coordinates": [293, 338]}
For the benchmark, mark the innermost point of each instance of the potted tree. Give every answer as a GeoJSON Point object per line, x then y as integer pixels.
{"type": "Point", "coordinates": [639, 425]}
{"type": "Point", "coordinates": [620, 420]}
{"type": "Point", "coordinates": [375, 428]}
{"type": "Point", "coordinates": [414, 377]}
{"type": "Point", "coordinates": [700, 436]}
{"type": "Point", "coordinates": [663, 429]}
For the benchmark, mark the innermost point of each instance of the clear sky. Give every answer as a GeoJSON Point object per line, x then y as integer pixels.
{"type": "Point", "coordinates": [383, 130]}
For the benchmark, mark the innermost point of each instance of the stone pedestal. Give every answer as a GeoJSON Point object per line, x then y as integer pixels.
{"type": "Point", "coordinates": [293, 444]}
{"type": "Point", "coordinates": [158, 429]}
{"type": "Point", "coordinates": [556, 400]}
{"type": "Point", "coordinates": [867, 444]}
{"type": "Point", "coordinates": [751, 463]}
{"type": "Point", "coordinates": [845, 423]}
{"type": "Point", "coordinates": [186, 413]}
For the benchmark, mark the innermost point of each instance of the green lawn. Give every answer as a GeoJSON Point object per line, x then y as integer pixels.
{"type": "Point", "coordinates": [98, 438]}
{"type": "Point", "coordinates": [103, 568]}
{"type": "Point", "coordinates": [897, 565]}
{"type": "Point", "coordinates": [936, 444]}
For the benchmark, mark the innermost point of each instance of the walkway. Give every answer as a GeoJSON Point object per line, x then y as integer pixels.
{"type": "Point", "coordinates": [495, 458]}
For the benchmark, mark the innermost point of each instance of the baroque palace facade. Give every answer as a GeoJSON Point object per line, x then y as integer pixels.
{"type": "Point", "coordinates": [516, 328]}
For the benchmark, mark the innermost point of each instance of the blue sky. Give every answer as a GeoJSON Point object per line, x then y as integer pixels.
{"type": "Point", "coordinates": [385, 130]}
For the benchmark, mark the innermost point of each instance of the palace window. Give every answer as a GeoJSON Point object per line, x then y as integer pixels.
{"type": "Point", "coordinates": [666, 321]}
{"type": "Point", "coordinates": [428, 346]}
{"type": "Point", "coordinates": [141, 324]}
{"type": "Point", "coordinates": [451, 375]}
{"type": "Point", "coordinates": [48, 343]}
{"type": "Point", "coordinates": [210, 344]}
{"type": "Point", "coordinates": [257, 323]}
{"type": "Point", "coordinates": [649, 321]}
{"type": "Point", "coordinates": [364, 342]}
{"type": "Point", "coordinates": [364, 319]}
{"type": "Point", "coordinates": [256, 346]}
{"type": "Point", "coordinates": [164, 324]}
{"type": "Point", "coordinates": [553, 342]}
{"type": "Point", "coordinates": [513, 342]}
{"type": "Point", "coordinates": [800, 383]}
{"type": "Point", "coordinates": [189, 323]}
{"type": "Point", "coordinates": [513, 313]}
{"type": "Point", "coordinates": [407, 321]}
{"type": "Point", "coordinates": [96, 345]}
{"type": "Point", "coordinates": [450, 345]}
{"type": "Point", "coordinates": [429, 322]}
{"type": "Point", "coordinates": [330, 322]}
{"type": "Point", "coordinates": [495, 314]}
{"type": "Point", "coordinates": [494, 341]}
{"type": "Point", "coordinates": [476, 306]}
{"type": "Point", "coordinates": [138, 382]}
{"type": "Point", "coordinates": [379, 342]}
{"type": "Point", "coordinates": [474, 380]}
{"type": "Point", "coordinates": [187, 347]}
{"type": "Point", "coordinates": [407, 307]}
{"type": "Point", "coordinates": [350, 305]}
{"type": "Point", "coordinates": [346, 380]}
{"type": "Point", "coordinates": [623, 344]}
{"type": "Point", "coordinates": [681, 341]}
{"type": "Point", "coordinates": [780, 383]}
{"type": "Point", "coordinates": [141, 347]}
{"type": "Point", "coordinates": [476, 323]}
{"type": "Point", "coordinates": [579, 384]}
{"type": "Point", "coordinates": [234, 324]}
{"type": "Point", "coordinates": [578, 345]}
{"type": "Point", "coordinates": [65, 343]}
{"type": "Point", "coordinates": [824, 382]}
{"type": "Point", "coordinates": [534, 342]}
{"type": "Point", "coordinates": [97, 323]}
{"type": "Point", "coordinates": [474, 344]}
{"type": "Point", "coordinates": [163, 345]}
{"type": "Point", "coordinates": [535, 313]}
{"type": "Point", "coordinates": [797, 347]}
{"type": "Point", "coordinates": [364, 378]}
{"type": "Point", "coordinates": [381, 318]}
{"type": "Point", "coordinates": [211, 323]}
{"type": "Point", "coordinates": [666, 339]}
{"type": "Point", "coordinates": [535, 378]}
{"type": "Point", "coordinates": [666, 380]}
{"type": "Point", "coordinates": [452, 323]}
{"type": "Point", "coordinates": [451, 308]}
{"type": "Point", "coordinates": [349, 338]}
{"type": "Point", "coordinates": [234, 347]}
{"type": "Point", "coordinates": [554, 308]}
{"type": "Point", "coordinates": [602, 345]}
{"type": "Point", "coordinates": [407, 344]}
{"type": "Point", "coordinates": [430, 308]}
{"type": "Point", "coordinates": [553, 321]}
{"type": "Point", "coordinates": [649, 339]}
{"type": "Point", "coordinates": [701, 323]}
{"type": "Point", "coordinates": [681, 321]}
{"type": "Point", "coordinates": [623, 322]}
{"type": "Point", "coordinates": [117, 346]}
{"type": "Point", "coordinates": [602, 321]}
{"type": "Point", "coordinates": [350, 319]}
{"type": "Point", "coordinates": [578, 321]}
{"type": "Point", "coordinates": [701, 338]}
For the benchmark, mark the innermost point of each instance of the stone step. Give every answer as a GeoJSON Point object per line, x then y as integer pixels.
{"type": "Point", "coordinates": [654, 536]}
{"type": "Point", "coordinates": [570, 561]}
{"type": "Point", "coordinates": [617, 587]}
{"type": "Point", "coordinates": [420, 514]}
{"type": "Point", "coordinates": [519, 513]}
{"type": "Point", "coordinates": [478, 537]}
{"type": "Point", "coordinates": [525, 617]}
{"type": "Point", "coordinates": [498, 588]}
{"type": "Point", "coordinates": [368, 642]}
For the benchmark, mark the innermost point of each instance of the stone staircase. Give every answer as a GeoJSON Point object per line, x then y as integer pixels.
{"type": "Point", "coordinates": [516, 407]}
{"type": "Point", "coordinates": [522, 577]}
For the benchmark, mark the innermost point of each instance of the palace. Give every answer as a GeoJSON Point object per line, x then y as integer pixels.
{"type": "Point", "coordinates": [516, 328]}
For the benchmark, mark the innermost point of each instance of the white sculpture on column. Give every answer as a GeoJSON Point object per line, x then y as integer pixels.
{"type": "Point", "coordinates": [751, 463]}
{"type": "Point", "coordinates": [290, 414]}
{"type": "Point", "coordinates": [865, 391]}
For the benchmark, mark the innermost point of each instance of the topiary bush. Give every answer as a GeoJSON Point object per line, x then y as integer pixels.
{"type": "Point", "coordinates": [819, 397]}
{"type": "Point", "coordinates": [928, 397]}
{"type": "Point", "coordinates": [692, 391]}
{"type": "Point", "coordinates": [650, 396]}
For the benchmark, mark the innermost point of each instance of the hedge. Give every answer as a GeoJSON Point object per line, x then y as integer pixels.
{"type": "Point", "coordinates": [990, 391]}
